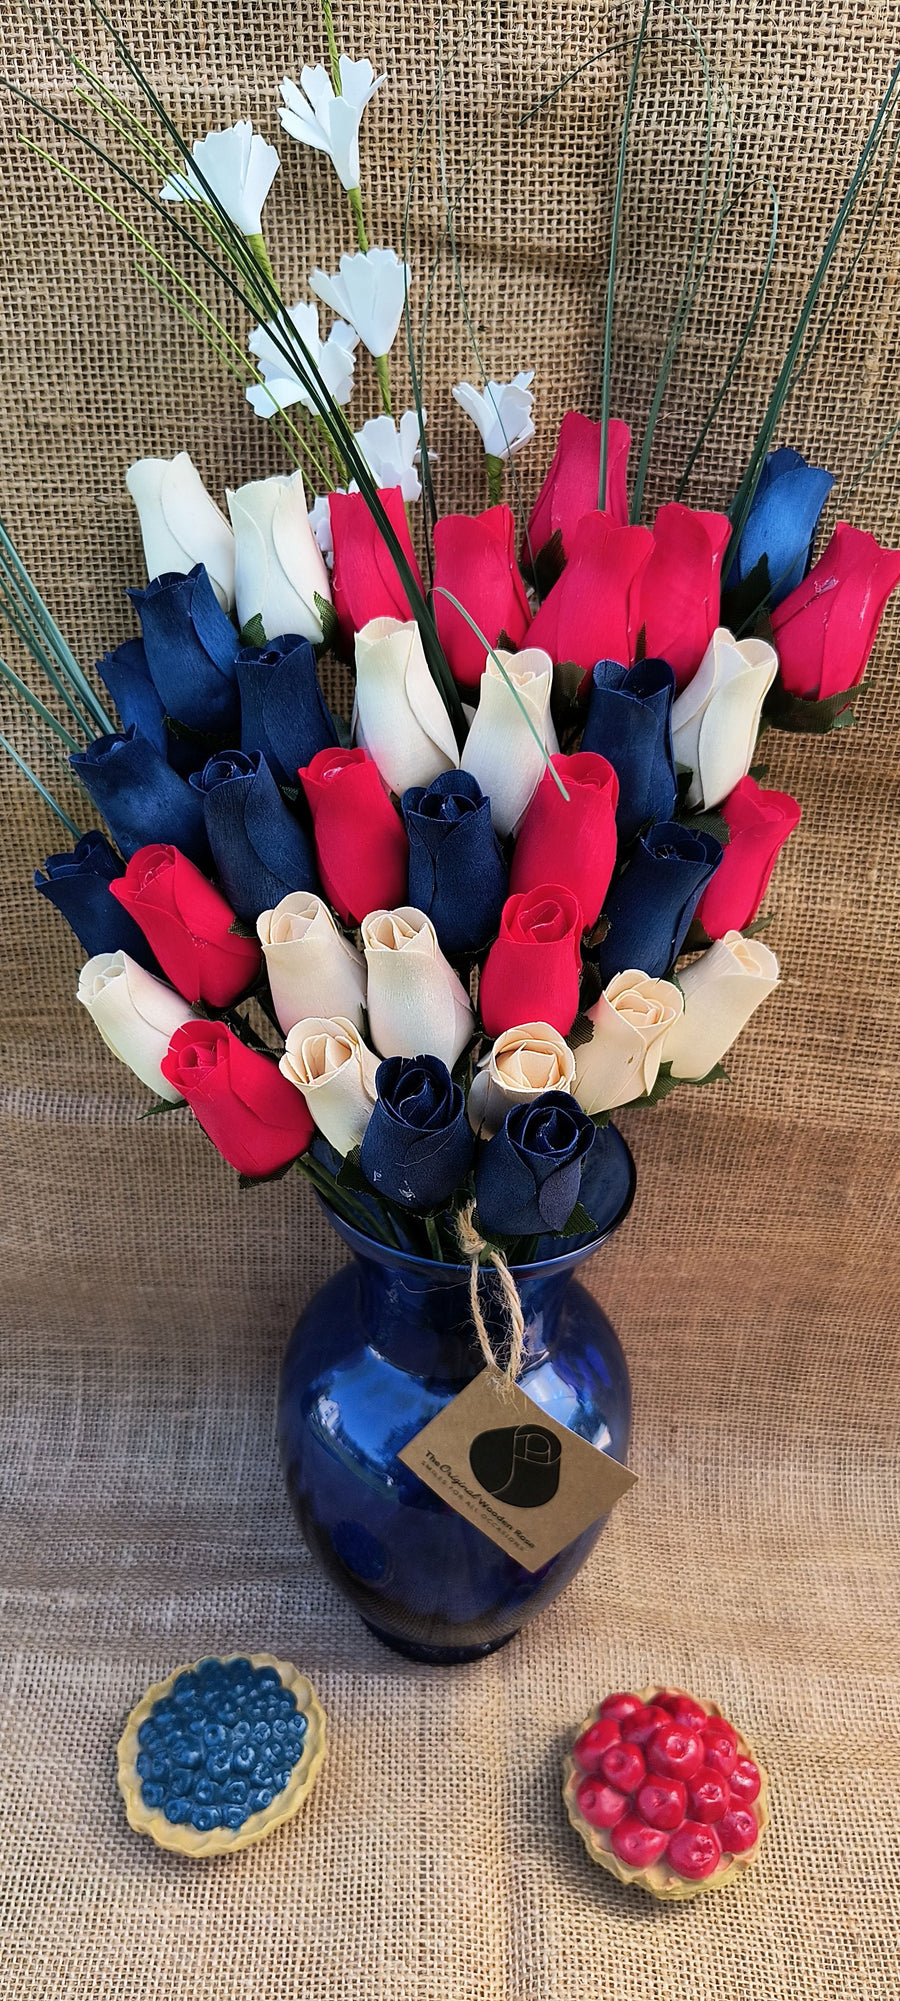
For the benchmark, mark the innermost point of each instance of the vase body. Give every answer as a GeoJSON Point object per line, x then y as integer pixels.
{"type": "Point", "coordinates": [376, 1355]}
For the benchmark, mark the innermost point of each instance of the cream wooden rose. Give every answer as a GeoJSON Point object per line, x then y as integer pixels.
{"type": "Point", "coordinates": [524, 1062]}
{"type": "Point", "coordinates": [500, 749]}
{"type": "Point", "coordinates": [715, 720]}
{"type": "Point", "coordinates": [180, 523]}
{"type": "Point", "coordinates": [721, 991]}
{"type": "Point", "coordinates": [313, 969]}
{"type": "Point", "coordinates": [417, 1005]}
{"type": "Point", "coordinates": [622, 1058]}
{"type": "Point", "coordinates": [400, 718]}
{"type": "Point", "coordinates": [279, 567]}
{"type": "Point", "coordinates": [137, 1015]}
{"type": "Point", "coordinates": [329, 1062]}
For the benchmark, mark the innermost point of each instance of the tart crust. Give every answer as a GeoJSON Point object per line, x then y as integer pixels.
{"type": "Point", "coordinates": [659, 1878]}
{"type": "Point", "coordinates": [187, 1840]}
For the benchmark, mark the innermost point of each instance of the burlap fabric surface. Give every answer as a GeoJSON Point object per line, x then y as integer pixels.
{"type": "Point", "coordinates": [146, 1300]}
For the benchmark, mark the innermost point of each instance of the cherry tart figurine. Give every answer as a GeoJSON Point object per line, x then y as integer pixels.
{"type": "Point", "coordinates": [220, 1753]}
{"type": "Point", "coordinates": [665, 1793]}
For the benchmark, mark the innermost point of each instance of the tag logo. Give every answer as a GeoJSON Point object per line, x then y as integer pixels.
{"type": "Point", "coordinates": [518, 1464]}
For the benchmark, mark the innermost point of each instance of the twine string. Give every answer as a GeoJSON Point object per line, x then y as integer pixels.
{"type": "Point", "coordinates": [472, 1246]}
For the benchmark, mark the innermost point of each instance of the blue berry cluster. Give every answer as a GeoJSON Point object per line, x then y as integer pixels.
{"type": "Point", "coordinates": [220, 1745]}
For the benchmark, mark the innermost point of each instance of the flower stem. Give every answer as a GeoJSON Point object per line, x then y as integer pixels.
{"type": "Point", "coordinates": [384, 383]}
{"type": "Point", "coordinates": [258, 247]}
{"type": "Point", "coordinates": [356, 210]}
{"type": "Point", "coordinates": [331, 39]}
{"type": "Point", "coordinates": [494, 478]}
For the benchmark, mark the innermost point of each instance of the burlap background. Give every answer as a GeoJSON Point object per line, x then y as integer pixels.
{"type": "Point", "coordinates": [146, 1300]}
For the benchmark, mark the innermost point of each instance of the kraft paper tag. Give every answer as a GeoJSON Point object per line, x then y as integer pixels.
{"type": "Point", "coordinates": [506, 1465]}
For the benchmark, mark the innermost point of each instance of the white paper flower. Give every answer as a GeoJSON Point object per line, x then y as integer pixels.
{"type": "Point", "coordinates": [368, 290]}
{"type": "Point", "coordinates": [524, 1062]}
{"type": "Point", "coordinates": [180, 523]}
{"type": "Point", "coordinates": [500, 750]}
{"type": "Point", "coordinates": [329, 1062]}
{"type": "Point", "coordinates": [279, 566]}
{"type": "Point", "coordinates": [318, 118]}
{"type": "Point", "coordinates": [721, 991]}
{"type": "Point", "coordinates": [502, 413]}
{"type": "Point", "coordinates": [392, 451]}
{"type": "Point", "coordinates": [312, 968]}
{"type": "Point", "coordinates": [715, 719]}
{"type": "Point", "coordinates": [417, 1006]}
{"type": "Point", "coordinates": [239, 166]}
{"type": "Point", "coordinates": [334, 358]}
{"type": "Point", "coordinates": [400, 718]}
{"type": "Point", "coordinates": [622, 1059]}
{"type": "Point", "coordinates": [137, 1015]}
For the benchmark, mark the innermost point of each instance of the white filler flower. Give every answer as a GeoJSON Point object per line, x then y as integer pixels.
{"type": "Point", "coordinates": [334, 359]}
{"type": "Point", "coordinates": [368, 290]}
{"type": "Point", "coordinates": [317, 117]}
{"type": "Point", "coordinates": [502, 414]}
{"type": "Point", "coordinates": [392, 450]}
{"type": "Point", "coordinates": [239, 167]}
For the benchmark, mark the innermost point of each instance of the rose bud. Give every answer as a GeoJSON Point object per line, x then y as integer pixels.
{"type": "Point", "coordinates": [126, 677]}
{"type": "Point", "coordinates": [181, 525]}
{"type": "Point", "coordinates": [457, 874]}
{"type": "Point", "coordinates": [759, 823]}
{"type": "Point", "coordinates": [137, 1015]}
{"type": "Point", "coordinates": [572, 840]}
{"type": "Point", "coordinates": [413, 996]}
{"type": "Point", "coordinates": [361, 847]}
{"type": "Point", "coordinates": [825, 629]}
{"type": "Point", "coordinates": [629, 722]}
{"type": "Point", "coordinates": [279, 567]}
{"type": "Point", "coordinates": [418, 1145]}
{"type": "Point", "coordinates": [253, 1116]}
{"type": "Point", "coordinates": [283, 710]}
{"type": "Point", "coordinates": [782, 522]}
{"type": "Point", "coordinates": [329, 1062]}
{"type": "Point", "coordinates": [141, 798]}
{"type": "Point", "coordinates": [533, 971]}
{"type": "Point", "coordinates": [474, 559]}
{"type": "Point", "coordinates": [589, 613]}
{"type": "Point", "coordinates": [651, 903]}
{"type": "Point", "coordinates": [503, 747]}
{"type": "Point", "coordinates": [259, 848]}
{"type": "Point", "coordinates": [528, 1177]}
{"type": "Point", "coordinates": [680, 588]}
{"type": "Point", "coordinates": [366, 581]}
{"type": "Point", "coordinates": [188, 925]}
{"type": "Point", "coordinates": [77, 884]}
{"type": "Point", "coordinates": [190, 647]}
{"type": "Point", "coordinates": [572, 486]}
{"type": "Point", "coordinates": [715, 720]}
{"type": "Point", "coordinates": [621, 1061]}
{"type": "Point", "coordinates": [525, 1062]}
{"type": "Point", "coordinates": [400, 717]}
{"type": "Point", "coordinates": [309, 963]}
{"type": "Point", "coordinates": [722, 989]}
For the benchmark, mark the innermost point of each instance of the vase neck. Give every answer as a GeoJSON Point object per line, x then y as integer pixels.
{"type": "Point", "coordinates": [421, 1320]}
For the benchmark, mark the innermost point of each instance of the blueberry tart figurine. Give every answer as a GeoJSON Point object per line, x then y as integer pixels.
{"type": "Point", "coordinates": [665, 1793]}
{"type": "Point", "coordinates": [220, 1753]}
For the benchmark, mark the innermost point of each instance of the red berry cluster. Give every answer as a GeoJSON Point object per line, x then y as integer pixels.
{"type": "Point", "coordinates": [665, 1778]}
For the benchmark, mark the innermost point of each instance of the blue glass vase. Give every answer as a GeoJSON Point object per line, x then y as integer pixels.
{"type": "Point", "coordinates": [376, 1355]}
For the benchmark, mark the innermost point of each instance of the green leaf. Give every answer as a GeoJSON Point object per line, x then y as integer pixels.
{"type": "Point", "coordinates": [351, 1176]}
{"type": "Point", "coordinates": [640, 645]}
{"type": "Point", "coordinates": [257, 1180]}
{"type": "Point", "coordinates": [241, 930]}
{"type": "Point", "coordinates": [708, 823]}
{"type": "Point", "coordinates": [164, 1105]}
{"type": "Point", "coordinates": [580, 1032]}
{"type": "Point", "coordinates": [788, 712]}
{"type": "Point", "coordinates": [254, 632]}
{"type": "Point", "coordinates": [760, 924]}
{"type": "Point", "coordinates": [579, 1224]}
{"type": "Point", "coordinates": [665, 1083]}
{"type": "Point", "coordinates": [758, 772]}
{"type": "Point", "coordinates": [549, 564]}
{"type": "Point", "coordinates": [186, 734]}
{"type": "Point", "coordinates": [744, 601]}
{"type": "Point", "coordinates": [328, 619]}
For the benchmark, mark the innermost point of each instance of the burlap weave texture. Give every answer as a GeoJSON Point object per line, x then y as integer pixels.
{"type": "Point", "coordinates": [146, 1300]}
